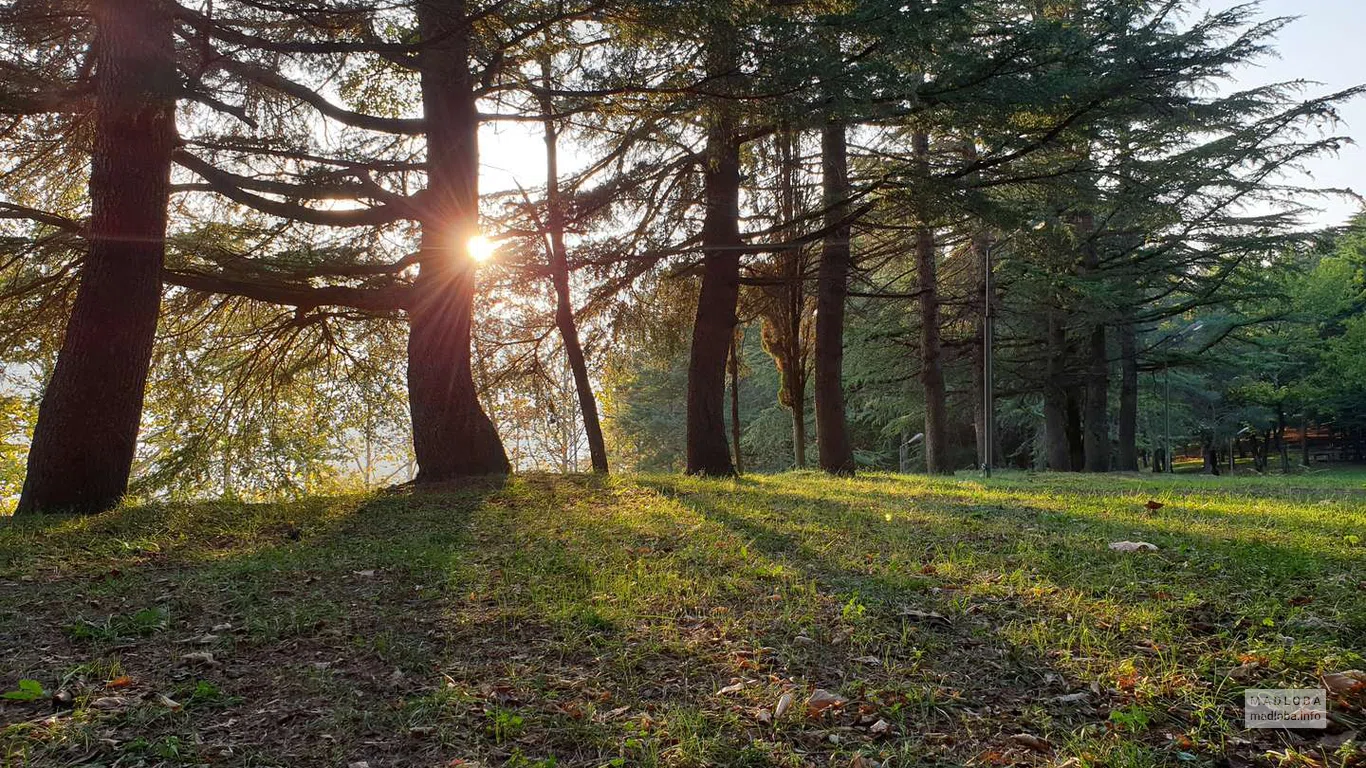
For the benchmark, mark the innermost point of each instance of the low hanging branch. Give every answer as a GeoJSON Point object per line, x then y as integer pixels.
{"type": "Point", "coordinates": [391, 298]}
{"type": "Point", "coordinates": [232, 186]}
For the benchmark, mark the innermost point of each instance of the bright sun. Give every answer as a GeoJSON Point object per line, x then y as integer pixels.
{"type": "Point", "coordinates": [481, 248]}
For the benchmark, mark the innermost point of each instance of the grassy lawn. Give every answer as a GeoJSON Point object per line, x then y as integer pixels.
{"type": "Point", "coordinates": [661, 620]}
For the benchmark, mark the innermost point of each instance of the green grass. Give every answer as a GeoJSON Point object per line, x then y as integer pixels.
{"type": "Point", "coordinates": [581, 622]}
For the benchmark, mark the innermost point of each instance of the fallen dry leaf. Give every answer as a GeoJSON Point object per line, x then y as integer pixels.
{"type": "Point", "coordinates": [122, 681]}
{"type": "Point", "coordinates": [1133, 546]}
{"type": "Point", "coordinates": [821, 701]}
{"type": "Point", "coordinates": [1033, 742]}
{"type": "Point", "coordinates": [1345, 683]}
{"type": "Point", "coordinates": [871, 661]}
{"type": "Point", "coordinates": [880, 727]}
{"type": "Point", "coordinates": [200, 657]}
{"type": "Point", "coordinates": [784, 704]}
{"type": "Point", "coordinates": [111, 703]}
{"type": "Point", "coordinates": [732, 688]}
{"type": "Point", "coordinates": [915, 614]}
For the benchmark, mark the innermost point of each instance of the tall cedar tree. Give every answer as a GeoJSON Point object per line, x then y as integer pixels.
{"type": "Point", "coordinates": [86, 434]}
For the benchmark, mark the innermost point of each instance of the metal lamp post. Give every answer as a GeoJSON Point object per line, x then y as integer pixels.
{"type": "Point", "coordinates": [989, 352]}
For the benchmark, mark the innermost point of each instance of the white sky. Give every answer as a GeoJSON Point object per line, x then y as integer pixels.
{"type": "Point", "coordinates": [1327, 44]}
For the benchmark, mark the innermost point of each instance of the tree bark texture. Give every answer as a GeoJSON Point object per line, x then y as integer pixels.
{"type": "Point", "coordinates": [836, 455]}
{"type": "Point", "coordinates": [85, 438]}
{"type": "Point", "coordinates": [452, 435]}
{"type": "Point", "coordinates": [714, 326]}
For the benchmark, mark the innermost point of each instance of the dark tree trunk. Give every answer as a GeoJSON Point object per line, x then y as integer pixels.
{"type": "Point", "coordinates": [788, 342]}
{"type": "Point", "coordinates": [1211, 455]}
{"type": "Point", "coordinates": [979, 411]}
{"type": "Point", "coordinates": [1055, 395]}
{"type": "Point", "coordinates": [1096, 419]}
{"type": "Point", "coordinates": [931, 351]}
{"type": "Point", "coordinates": [564, 304]}
{"type": "Point", "coordinates": [832, 285]}
{"type": "Point", "coordinates": [86, 436]}
{"type": "Point", "coordinates": [796, 310]}
{"type": "Point", "coordinates": [980, 425]}
{"type": "Point", "coordinates": [714, 326]}
{"type": "Point", "coordinates": [799, 427]}
{"type": "Point", "coordinates": [735, 404]}
{"type": "Point", "coordinates": [1128, 398]}
{"type": "Point", "coordinates": [1281, 445]}
{"type": "Point", "coordinates": [452, 436]}
{"type": "Point", "coordinates": [1076, 447]}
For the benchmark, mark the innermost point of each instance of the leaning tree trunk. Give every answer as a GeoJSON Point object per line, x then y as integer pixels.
{"type": "Point", "coordinates": [559, 274]}
{"type": "Point", "coordinates": [832, 286]}
{"type": "Point", "coordinates": [1128, 398]}
{"type": "Point", "coordinates": [714, 327]}
{"type": "Point", "coordinates": [86, 436]}
{"type": "Point", "coordinates": [452, 435]}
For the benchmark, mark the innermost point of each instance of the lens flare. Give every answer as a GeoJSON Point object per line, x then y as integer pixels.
{"type": "Point", "coordinates": [481, 248]}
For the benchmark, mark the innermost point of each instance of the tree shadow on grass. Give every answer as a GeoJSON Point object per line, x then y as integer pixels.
{"type": "Point", "coordinates": [593, 620]}
{"type": "Point", "coordinates": [269, 615]}
{"type": "Point", "coordinates": [1031, 585]}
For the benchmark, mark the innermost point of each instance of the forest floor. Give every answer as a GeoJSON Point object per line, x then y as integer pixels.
{"type": "Point", "coordinates": [663, 621]}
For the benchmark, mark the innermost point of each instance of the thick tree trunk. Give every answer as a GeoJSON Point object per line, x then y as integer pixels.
{"type": "Point", "coordinates": [1055, 395]}
{"type": "Point", "coordinates": [559, 273]}
{"type": "Point", "coordinates": [452, 435]}
{"type": "Point", "coordinates": [1128, 398]}
{"type": "Point", "coordinates": [86, 436]}
{"type": "Point", "coordinates": [714, 327]}
{"type": "Point", "coordinates": [832, 286]}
